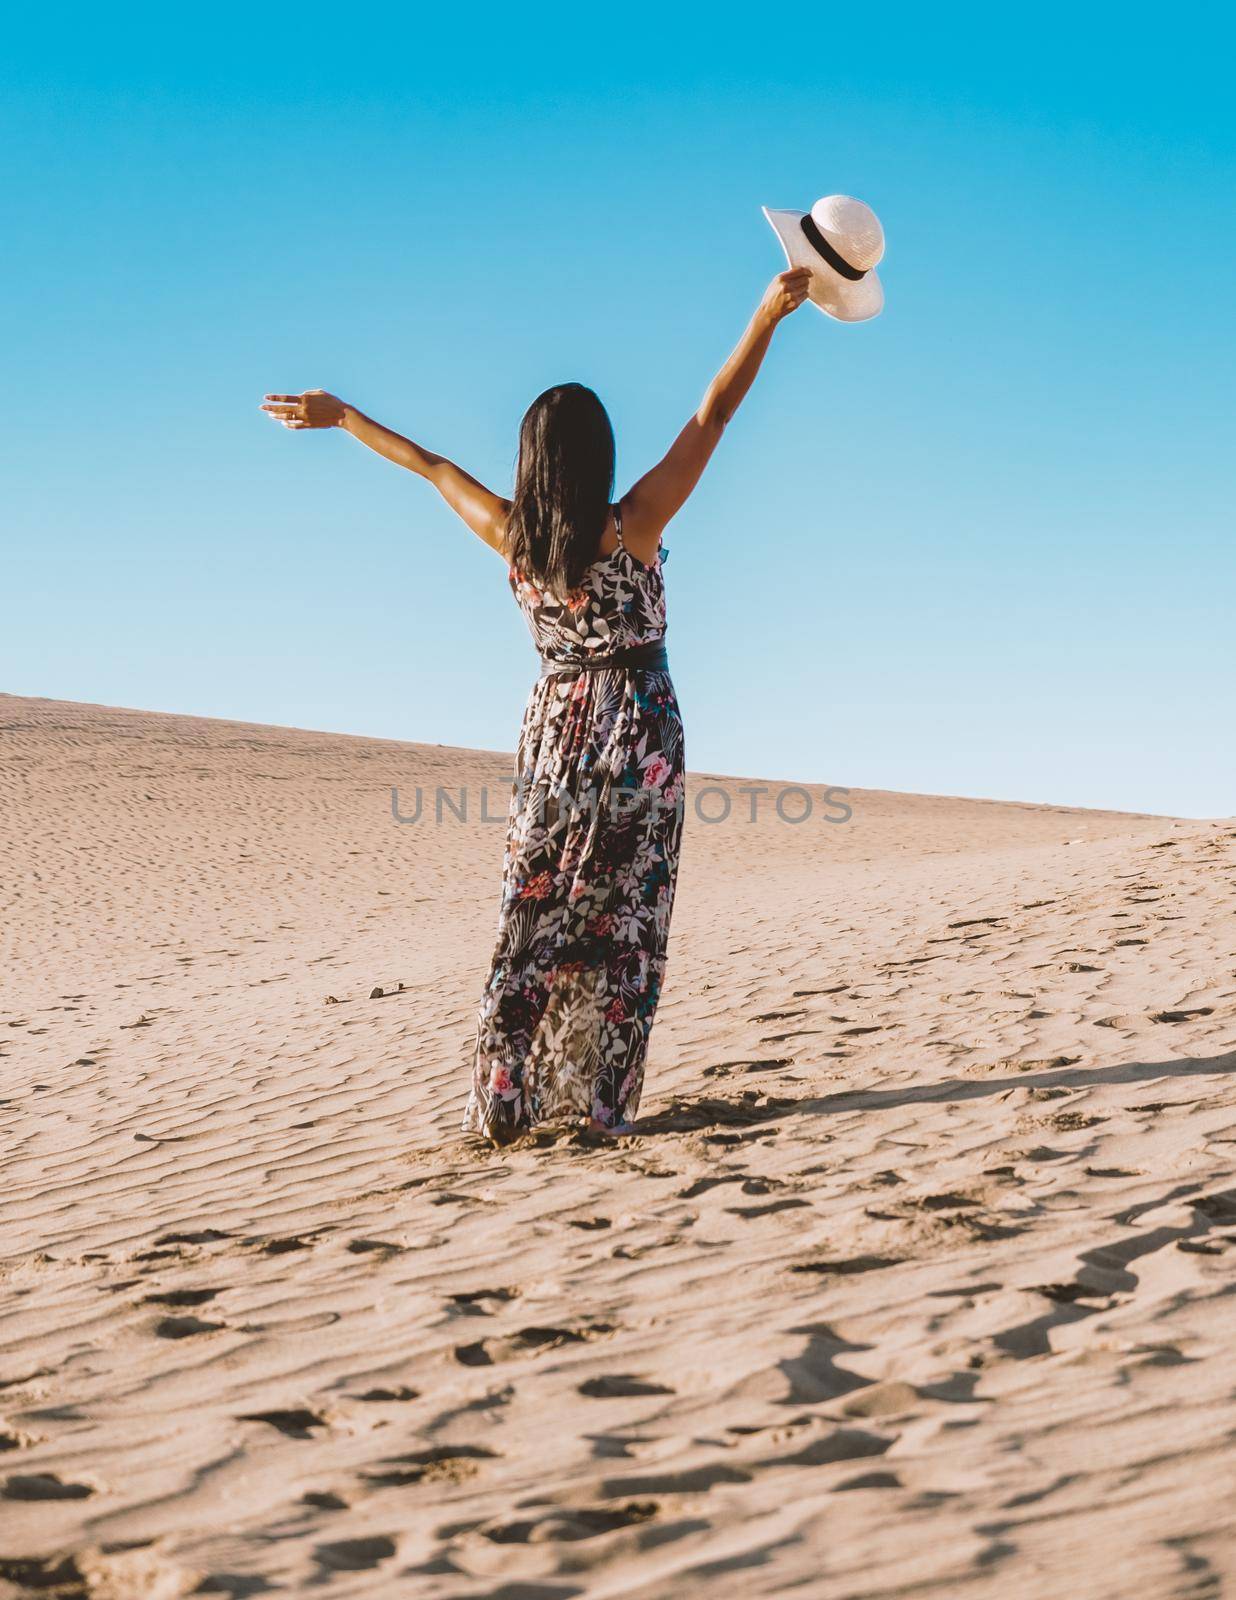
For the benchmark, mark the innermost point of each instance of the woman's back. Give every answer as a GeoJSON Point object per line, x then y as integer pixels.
{"type": "Point", "coordinates": [619, 603]}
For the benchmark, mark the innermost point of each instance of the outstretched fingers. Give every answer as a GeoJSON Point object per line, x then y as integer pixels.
{"type": "Point", "coordinates": [312, 409]}
{"type": "Point", "coordinates": [285, 409]}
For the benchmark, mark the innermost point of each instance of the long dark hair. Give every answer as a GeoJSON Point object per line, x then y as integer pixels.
{"type": "Point", "coordinates": [564, 482]}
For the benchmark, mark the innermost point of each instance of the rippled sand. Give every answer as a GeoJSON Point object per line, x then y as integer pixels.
{"type": "Point", "coordinates": [916, 1280]}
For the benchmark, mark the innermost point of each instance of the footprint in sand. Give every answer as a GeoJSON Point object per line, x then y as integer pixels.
{"type": "Point", "coordinates": [400, 1393]}
{"type": "Point", "coordinates": [201, 1236]}
{"type": "Point", "coordinates": [184, 1327]}
{"type": "Point", "coordinates": [840, 1444]}
{"type": "Point", "coordinates": [440, 1463]}
{"type": "Point", "coordinates": [44, 1575]}
{"type": "Point", "coordinates": [354, 1555]}
{"type": "Point", "coordinates": [723, 1069]}
{"type": "Point", "coordinates": [323, 1500]}
{"type": "Point", "coordinates": [238, 1585]}
{"type": "Point", "coordinates": [528, 1341]}
{"type": "Point", "coordinates": [1067, 1294]}
{"type": "Point", "coordinates": [296, 1423]}
{"type": "Point", "coordinates": [180, 1297]}
{"type": "Point", "coordinates": [43, 1486]}
{"type": "Point", "coordinates": [870, 1480]}
{"type": "Point", "coordinates": [620, 1386]}
{"type": "Point", "coordinates": [768, 1210]}
{"type": "Point", "coordinates": [744, 1110]}
{"type": "Point", "coordinates": [692, 1480]}
{"type": "Point", "coordinates": [1074, 1121]}
{"type": "Point", "coordinates": [623, 1446]}
{"type": "Point", "coordinates": [1040, 1064]}
{"type": "Point", "coordinates": [481, 1302]}
{"type": "Point", "coordinates": [848, 1265]}
{"type": "Point", "coordinates": [633, 1252]}
{"type": "Point", "coordinates": [569, 1523]}
{"type": "Point", "coordinates": [702, 1185]}
{"type": "Point", "coordinates": [282, 1247]}
{"type": "Point", "coordinates": [762, 1185]}
{"type": "Point", "coordinates": [949, 1200]}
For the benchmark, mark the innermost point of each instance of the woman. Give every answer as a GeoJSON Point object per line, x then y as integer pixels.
{"type": "Point", "coordinates": [596, 817]}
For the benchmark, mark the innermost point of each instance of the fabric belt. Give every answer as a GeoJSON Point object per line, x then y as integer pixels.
{"type": "Point", "coordinates": [649, 657]}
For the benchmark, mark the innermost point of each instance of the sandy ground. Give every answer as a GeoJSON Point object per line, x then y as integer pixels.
{"type": "Point", "coordinates": [917, 1279]}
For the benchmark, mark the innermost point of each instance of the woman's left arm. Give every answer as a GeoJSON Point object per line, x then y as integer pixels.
{"type": "Point", "coordinates": [483, 511]}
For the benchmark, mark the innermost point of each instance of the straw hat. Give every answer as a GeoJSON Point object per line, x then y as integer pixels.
{"type": "Point", "coordinates": [840, 240]}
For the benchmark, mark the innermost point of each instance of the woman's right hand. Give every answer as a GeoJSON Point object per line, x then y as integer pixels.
{"type": "Point", "coordinates": [313, 409]}
{"type": "Point", "coordinates": [785, 293]}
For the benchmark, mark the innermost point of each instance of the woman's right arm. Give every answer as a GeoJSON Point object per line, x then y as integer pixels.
{"type": "Point", "coordinates": [483, 511]}
{"type": "Point", "coordinates": [662, 491]}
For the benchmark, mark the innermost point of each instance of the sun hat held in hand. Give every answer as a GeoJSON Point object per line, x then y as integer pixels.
{"type": "Point", "coordinates": [841, 241]}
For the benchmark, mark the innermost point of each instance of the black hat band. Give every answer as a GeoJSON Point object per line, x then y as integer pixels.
{"type": "Point", "coordinates": [822, 247]}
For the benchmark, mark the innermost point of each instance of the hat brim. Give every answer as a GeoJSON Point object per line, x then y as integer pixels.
{"type": "Point", "coordinates": [836, 296]}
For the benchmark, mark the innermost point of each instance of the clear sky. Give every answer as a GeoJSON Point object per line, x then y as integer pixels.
{"type": "Point", "coordinates": [982, 545]}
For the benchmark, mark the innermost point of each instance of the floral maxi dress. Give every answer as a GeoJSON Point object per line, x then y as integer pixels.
{"type": "Point", "coordinates": [593, 836]}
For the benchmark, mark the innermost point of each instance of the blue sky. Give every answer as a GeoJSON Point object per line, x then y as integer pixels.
{"type": "Point", "coordinates": [980, 546]}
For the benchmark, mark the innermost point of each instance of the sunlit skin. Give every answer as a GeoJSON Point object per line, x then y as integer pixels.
{"type": "Point", "coordinates": [647, 506]}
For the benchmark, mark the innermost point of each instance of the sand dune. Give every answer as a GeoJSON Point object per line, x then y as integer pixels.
{"type": "Point", "coordinates": [916, 1281]}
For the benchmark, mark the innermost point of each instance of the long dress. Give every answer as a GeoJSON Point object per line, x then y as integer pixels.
{"type": "Point", "coordinates": [593, 835]}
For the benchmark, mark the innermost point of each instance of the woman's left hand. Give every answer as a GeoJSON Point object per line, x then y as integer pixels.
{"type": "Point", "coordinates": [785, 294]}
{"type": "Point", "coordinates": [313, 409]}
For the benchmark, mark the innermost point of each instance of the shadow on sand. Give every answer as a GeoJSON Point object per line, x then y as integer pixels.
{"type": "Point", "coordinates": [733, 1118]}
{"type": "Point", "coordinates": [957, 1090]}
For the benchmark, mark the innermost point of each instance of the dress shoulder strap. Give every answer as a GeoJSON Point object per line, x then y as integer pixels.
{"type": "Point", "coordinates": [618, 524]}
